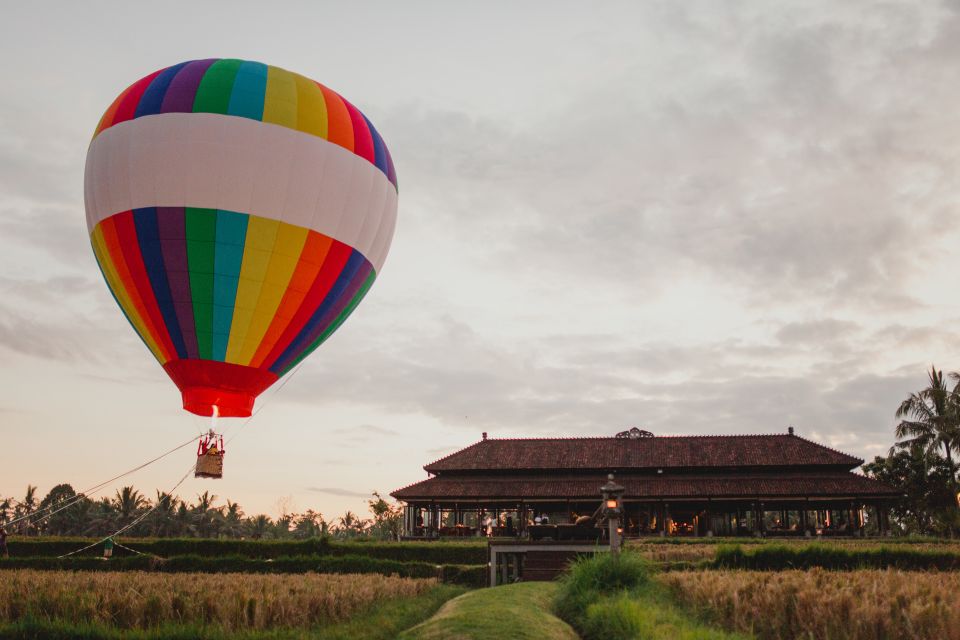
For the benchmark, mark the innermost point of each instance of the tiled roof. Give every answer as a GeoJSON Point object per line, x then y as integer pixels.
{"type": "Point", "coordinates": [646, 486]}
{"type": "Point", "coordinates": [643, 453]}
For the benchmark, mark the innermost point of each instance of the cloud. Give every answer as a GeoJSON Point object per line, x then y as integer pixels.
{"type": "Point", "coordinates": [334, 491]}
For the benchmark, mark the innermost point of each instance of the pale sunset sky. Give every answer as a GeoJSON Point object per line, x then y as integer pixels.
{"type": "Point", "coordinates": [691, 217]}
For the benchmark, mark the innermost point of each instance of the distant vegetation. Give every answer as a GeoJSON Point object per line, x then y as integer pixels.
{"type": "Point", "coordinates": [923, 462]}
{"type": "Point", "coordinates": [170, 516]}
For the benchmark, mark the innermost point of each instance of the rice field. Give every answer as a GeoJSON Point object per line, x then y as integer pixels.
{"type": "Point", "coordinates": [231, 602]}
{"type": "Point", "coordinates": [694, 552]}
{"type": "Point", "coordinates": [835, 605]}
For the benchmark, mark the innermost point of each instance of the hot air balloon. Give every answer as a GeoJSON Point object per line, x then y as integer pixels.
{"type": "Point", "coordinates": [239, 213]}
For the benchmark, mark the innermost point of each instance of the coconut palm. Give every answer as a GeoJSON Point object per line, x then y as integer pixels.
{"type": "Point", "coordinates": [259, 526]}
{"type": "Point", "coordinates": [25, 507]}
{"type": "Point", "coordinates": [128, 502]}
{"type": "Point", "coordinates": [205, 516]}
{"type": "Point", "coordinates": [161, 522]}
{"type": "Point", "coordinates": [232, 523]}
{"type": "Point", "coordinates": [930, 419]}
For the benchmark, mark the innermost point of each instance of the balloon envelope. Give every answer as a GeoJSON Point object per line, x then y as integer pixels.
{"type": "Point", "coordinates": [239, 212]}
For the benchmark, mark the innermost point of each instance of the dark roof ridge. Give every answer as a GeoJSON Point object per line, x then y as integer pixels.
{"type": "Point", "coordinates": [450, 455]}
{"type": "Point", "coordinates": [843, 453]}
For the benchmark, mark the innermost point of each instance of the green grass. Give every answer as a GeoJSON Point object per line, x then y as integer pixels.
{"type": "Point", "coordinates": [609, 596]}
{"type": "Point", "coordinates": [516, 611]}
{"type": "Point", "coordinates": [381, 622]}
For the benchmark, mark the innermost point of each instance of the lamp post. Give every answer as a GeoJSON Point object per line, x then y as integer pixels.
{"type": "Point", "coordinates": [612, 508]}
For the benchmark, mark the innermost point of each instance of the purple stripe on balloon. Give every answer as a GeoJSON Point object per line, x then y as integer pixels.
{"type": "Point", "coordinates": [327, 318]}
{"type": "Point", "coordinates": [171, 226]}
{"type": "Point", "coordinates": [183, 88]}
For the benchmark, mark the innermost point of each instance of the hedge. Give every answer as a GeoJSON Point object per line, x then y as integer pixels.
{"type": "Point", "coordinates": [776, 557]}
{"type": "Point", "coordinates": [432, 552]}
{"type": "Point", "coordinates": [469, 575]}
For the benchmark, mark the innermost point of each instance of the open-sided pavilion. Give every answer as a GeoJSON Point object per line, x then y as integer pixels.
{"type": "Point", "coordinates": [780, 484]}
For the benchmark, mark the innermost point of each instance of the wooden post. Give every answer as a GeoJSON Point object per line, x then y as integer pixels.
{"type": "Point", "coordinates": [761, 527]}
{"type": "Point", "coordinates": [614, 523]}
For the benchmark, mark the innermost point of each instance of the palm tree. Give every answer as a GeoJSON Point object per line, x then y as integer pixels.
{"type": "Point", "coordinates": [930, 419]}
{"type": "Point", "coordinates": [6, 509]}
{"type": "Point", "coordinates": [205, 515]}
{"type": "Point", "coordinates": [232, 525]}
{"type": "Point", "coordinates": [160, 523]}
{"type": "Point", "coordinates": [128, 502]}
{"type": "Point", "coordinates": [259, 526]}
{"type": "Point", "coordinates": [25, 507]}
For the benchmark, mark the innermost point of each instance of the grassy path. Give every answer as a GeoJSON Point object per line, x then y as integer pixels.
{"type": "Point", "coordinates": [518, 612]}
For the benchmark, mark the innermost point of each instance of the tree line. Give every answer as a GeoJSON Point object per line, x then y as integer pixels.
{"type": "Point", "coordinates": [922, 463]}
{"type": "Point", "coordinates": [63, 512]}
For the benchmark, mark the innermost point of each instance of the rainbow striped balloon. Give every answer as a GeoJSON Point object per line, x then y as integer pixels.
{"type": "Point", "coordinates": [239, 212]}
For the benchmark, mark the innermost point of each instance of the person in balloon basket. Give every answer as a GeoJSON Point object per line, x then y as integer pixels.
{"type": "Point", "coordinates": [3, 543]}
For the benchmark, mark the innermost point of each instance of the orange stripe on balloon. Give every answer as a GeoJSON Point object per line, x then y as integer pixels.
{"type": "Point", "coordinates": [339, 124]}
{"type": "Point", "coordinates": [106, 120]}
{"type": "Point", "coordinates": [311, 259]}
{"type": "Point", "coordinates": [130, 246]}
{"type": "Point", "coordinates": [112, 243]}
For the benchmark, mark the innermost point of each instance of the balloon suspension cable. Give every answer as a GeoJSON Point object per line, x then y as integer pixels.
{"type": "Point", "coordinates": [139, 518]}
{"type": "Point", "coordinates": [260, 407]}
{"type": "Point", "coordinates": [57, 508]}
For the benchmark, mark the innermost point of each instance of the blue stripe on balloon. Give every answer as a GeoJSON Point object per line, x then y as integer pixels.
{"type": "Point", "coordinates": [228, 257]}
{"type": "Point", "coordinates": [148, 237]}
{"type": "Point", "coordinates": [249, 89]}
{"type": "Point", "coordinates": [302, 341]}
{"type": "Point", "coordinates": [152, 98]}
{"type": "Point", "coordinates": [379, 149]}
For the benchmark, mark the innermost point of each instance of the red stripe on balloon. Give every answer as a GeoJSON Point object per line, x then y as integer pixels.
{"type": "Point", "coordinates": [128, 106]}
{"type": "Point", "coordinates": [114, 246]}
{"type": "Point", "coordinates": [130, 245]}
{"type": "Point", "coordinates": [336, 259]}
{"type": "Point", "coordinates": [362, 140]}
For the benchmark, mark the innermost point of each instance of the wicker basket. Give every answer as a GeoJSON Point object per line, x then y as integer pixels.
{"type": "Point", "coordinates": [209, 466]}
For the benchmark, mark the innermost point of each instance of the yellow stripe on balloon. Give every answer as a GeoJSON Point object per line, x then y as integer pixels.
{"type": "Point", "coordinates": [311, 107]}
{"type": "Point", "coordinates": [280, 100]}
{"type": "Point", "coordinates": [257, 249]}
{"type": "Point", "coordinates": [283, 262]}
{"type": "Point", "coordinates": [119, 291]}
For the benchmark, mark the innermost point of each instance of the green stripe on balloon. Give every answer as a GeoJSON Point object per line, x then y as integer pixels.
{"type": "Point", "coordinates": [201, 227]}
{"type": "Point", "coordinates": [213, 94]}
{"type": "Point", "coordinates": [340, 319]}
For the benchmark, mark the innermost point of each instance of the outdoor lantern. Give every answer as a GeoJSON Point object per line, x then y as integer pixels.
{"type": "Point", "coordinates": [612, 492]}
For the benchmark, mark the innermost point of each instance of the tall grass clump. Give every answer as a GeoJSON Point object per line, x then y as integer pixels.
{"type": "Point", "coordinates": [590, 579]}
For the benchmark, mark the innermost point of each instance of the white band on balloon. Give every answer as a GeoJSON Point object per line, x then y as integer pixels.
{"type": "Point", "coordinates": [215, 161]}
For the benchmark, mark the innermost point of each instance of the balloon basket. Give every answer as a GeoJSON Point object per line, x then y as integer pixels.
{"type": "Point", "coordinates": [210, 454]}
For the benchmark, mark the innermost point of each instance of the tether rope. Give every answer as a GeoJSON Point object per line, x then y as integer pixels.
{"type": "Point", "coordinates": [139, 519]}
{"type": "Point", "coordinates": [283, 383]}
{"type": "Point", "coordinates": [83, 494]}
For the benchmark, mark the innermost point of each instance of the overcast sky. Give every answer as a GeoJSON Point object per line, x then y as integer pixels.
{"type": "Point", "coordinates": [696, 218]}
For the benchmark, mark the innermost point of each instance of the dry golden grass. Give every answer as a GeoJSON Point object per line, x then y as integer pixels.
{"type": "Point", "coordinates": [856, 605]}
{"type": "Point", "coordinates": [231, 601]}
